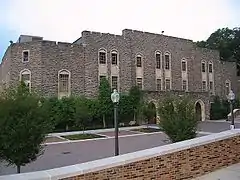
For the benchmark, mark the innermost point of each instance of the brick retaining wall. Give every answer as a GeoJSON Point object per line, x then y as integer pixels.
{"type": "Point", "coordinates": [183, 160]}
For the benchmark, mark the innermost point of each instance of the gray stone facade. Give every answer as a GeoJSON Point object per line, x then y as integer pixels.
{"type": "Point", "coordinates": [80, 58]}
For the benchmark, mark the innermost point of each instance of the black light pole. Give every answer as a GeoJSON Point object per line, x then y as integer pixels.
{"type": "Point", "coordinates": [115, 100]}
{"type": "Point", "coordinates": [231, 98]}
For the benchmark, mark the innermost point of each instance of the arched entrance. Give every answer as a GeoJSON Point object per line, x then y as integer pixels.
{"type": "Point", "coordinates": [200, 110]}
{"type": "Point", "coordinates": [151, 113]}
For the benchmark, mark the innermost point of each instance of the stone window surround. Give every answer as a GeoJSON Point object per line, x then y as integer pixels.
{"type": "Point", "coordinates": [204, 85]}
{"type": "Point", "coordinates": [157, 83]}
{"type": "Point", "coordinates": [137, 56]}
{"type": "Point", "coordinates": [186, 84]}
{"type": "Point", "coordinates": [26, 71]}
{"type": "Point", "coordinates": [210, 63]}
{"type": "Point", "coordinates": [114, 51]}
{"type": "Point", "coordinates": [170, 84]}
{"type": "Point", "coordinates": [203, 70]}
{"type": "Point", "coordinates": [117, 82]}
{"type": "Point", "coordinates": [23, 55]}
{"type": "Point", "coordinates": [102, 50]}
{"type": "Point", "coordinates": [158, 66]}
{"type": "Point", "coordinates": [170, 59]}
{"type": "Point", "coordinates": [183, 61]}
{"type": "Point", "coordinates": [64, 71]}
{"type": "Point", "coordinates": [138, 83]}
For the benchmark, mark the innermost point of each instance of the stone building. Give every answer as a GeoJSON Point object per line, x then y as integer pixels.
{"type": "Point", "coordinates": [158, 64]}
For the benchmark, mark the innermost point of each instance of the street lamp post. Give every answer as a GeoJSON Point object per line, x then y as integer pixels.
{"type": "Point", "coordinates": [115, 99]}
{"type": "Point", "coordinates": [231, 98]}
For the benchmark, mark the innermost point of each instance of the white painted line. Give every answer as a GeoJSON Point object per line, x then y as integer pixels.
{"type": "Point", "coordinates": [60, 137]}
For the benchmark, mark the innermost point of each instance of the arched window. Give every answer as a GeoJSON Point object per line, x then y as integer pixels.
{"type": "Point", "coordinates": [158, 59]}
{"type": "Point", "coordinates": [102, 56]}
{"type": "Point", "coordinates": [139, 61]}
{"type": "Point", "coordinates": [114, 57]}
{"type": "Point", "coordinates": [184, 65]}
{"type": "Point", "coordinates": [64, 83]}
{"type": "Point", "coordinates": [203, 66]}
{"type": "Point", "coordinates": [210, 67]}
{"type": "Point", "coordinates": [167, 58]}
{"type": "Point", "coordinates": [25, 76]}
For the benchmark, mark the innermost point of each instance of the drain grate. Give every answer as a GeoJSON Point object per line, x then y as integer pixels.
{"type": "Point", "coordinates": [66, 152]}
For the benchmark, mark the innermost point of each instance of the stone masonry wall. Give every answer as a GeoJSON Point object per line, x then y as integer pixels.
{"type": "Point", "coordinates": [185, 164]}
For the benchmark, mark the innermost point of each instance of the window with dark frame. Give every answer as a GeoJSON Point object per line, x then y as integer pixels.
{"type": "Point", "coordinates": [114, 82]}
{"type": "Point", "coordinates": [158, 61]}
{"type": "Point", "coordinates": [210, 68]}
{"type": "Point", "coordinates": [167, 61]}
{"type": "Point", "coordinates": [184, 66]}
{"type": "Point", "coordinates": [159, 85]}
{"type": "Point", "coordinates": [167, 85]}
{"type": "Point", "coordinates": [114, 58]}
{"type": "Point", "coordinates": [139, 61]}
{"type": "Point", "coordinates": [204, 85]}
{"type": "Point", "coordinates": [227, 86]}
{"type": "Point", "coordinates": [102, 57]}
{"type": "Point", "coordinates": [203, 67]}
{"type": "Point", "coordinates": [184, 85]}
{"type": "Point", "coordinates": [63, 83]}
{"type": "Point", "coordinates": [140, 83]}
{"type": "Point", "coordinates": [25, 77]}
{"type": "Point", "coordinates": [211, 86]}
{"type": "Point", "coordinates": [101, 78]}
{"type": "Point", "coordinates": [25, 56]}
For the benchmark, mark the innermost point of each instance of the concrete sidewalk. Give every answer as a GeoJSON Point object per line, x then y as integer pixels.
{"type": "Point", "coordinates": [228, 173]}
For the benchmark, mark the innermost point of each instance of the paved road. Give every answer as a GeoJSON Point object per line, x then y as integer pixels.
{"type": "Point", "coordinates": [59, 155]}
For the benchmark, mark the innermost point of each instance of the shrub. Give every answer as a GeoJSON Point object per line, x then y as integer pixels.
{"type": "Point", "coordinates": [177, 118]}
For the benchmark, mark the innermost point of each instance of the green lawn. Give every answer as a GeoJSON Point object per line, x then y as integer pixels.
{"type": "Point", "coordinates": [82, 136]}
{"type": "Point", "coordinates": [147, 130]}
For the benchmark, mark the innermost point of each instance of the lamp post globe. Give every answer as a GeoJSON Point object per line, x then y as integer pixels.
{"type": "Point", "coordinates": [115, 99]}
{"type": "Point", "coordinates": [231, 98]}
{"type": "Point", "coordinates": [115, 96]}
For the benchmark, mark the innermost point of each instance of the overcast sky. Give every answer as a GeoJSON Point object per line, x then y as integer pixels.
{"type": "Point", "coordinates": [64, 20]}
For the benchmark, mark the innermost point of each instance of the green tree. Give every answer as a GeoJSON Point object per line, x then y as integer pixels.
{"type": "Point", "coordinates": [24, 125]}
{"type": "Point", "coordinates": [104, 98]}
{"type": "Point", "coordinates": [66, 111]}
{"type": "Point", "coordinates": [136, 100]}
{"type": "Point", "coordinates": [83, 113]}
{"type": "Point", "coordinates": [149, 111]}
{"type": "Point", "coordinates": [125, 109]}
{"type": "Point", "coordinates": [177, 118]}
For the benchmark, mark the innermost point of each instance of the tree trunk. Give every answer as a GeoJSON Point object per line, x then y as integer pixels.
{"type": "Point", "coordinates": [18, 168]}
{"type": "Point", "coordinates": [104, 121]}
{"type": "Point", "coordinates": [66, 127]}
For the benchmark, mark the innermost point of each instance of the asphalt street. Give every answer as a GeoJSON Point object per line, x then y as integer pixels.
{"type": "Point", "coordinates": [58, 155]}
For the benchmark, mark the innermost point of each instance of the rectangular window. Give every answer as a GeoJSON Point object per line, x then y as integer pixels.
{"type": "Point", "coordinates": [64, 83]}
{"type": "Point", "coordinates": [114, 58]}
{"type": "Point", "coordinates": [184, 66]}
{"type": "Point", "coordinates": [115, 82]}
{"type": "Point", "coordinates": [159, 85]}
{"type": "Point", "coordinates": [167, 62]}
{"type": "Point", "coordinates": [140, 83]}
{"type": "Point", "coordinates": [25, 56]}
{"type": "Point", "coordinates": [139, 62]}
{"type": "Point", "coordinates": [210, 68]}
{"type": "Point", "coordinates": [102, 57]}
{"type": "Point", "coordinates": [204, 86]}
{"type": "Point", "coordinates": [158, 61]}
{"type": "Point", "coordinates": [211, 86]}
{"type": "Point", "coordinates": [184, 85]}
{"type": "Point", "coordinates": [101, 77]}
{"type": "Point", "coordinates": [203, 67]}
{"type": "Point", "coordinates": [167, 85]}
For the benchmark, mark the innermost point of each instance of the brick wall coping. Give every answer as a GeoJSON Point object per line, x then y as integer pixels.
{"type": "Point", "coordinates": [78, 169]}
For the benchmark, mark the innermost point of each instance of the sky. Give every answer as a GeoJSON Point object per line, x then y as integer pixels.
{"type": "Point", "coordinates": [64, 20]}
